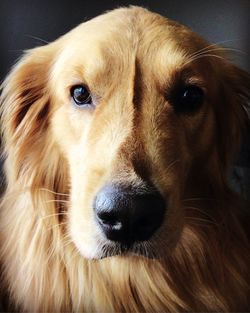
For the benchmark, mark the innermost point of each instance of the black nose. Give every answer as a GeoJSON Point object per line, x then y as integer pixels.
{"type": "Point", "coordinates": [128, 215]}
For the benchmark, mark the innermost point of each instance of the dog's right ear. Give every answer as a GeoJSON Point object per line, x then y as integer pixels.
{"type": "Point", "coordinates": [29, 150]}
{"type": "Point", "coordinates": [25, 97]}
{"type": "Point", "coordinates": [25, 115]}
{"type": "Point", "coordinates": [25, 102]}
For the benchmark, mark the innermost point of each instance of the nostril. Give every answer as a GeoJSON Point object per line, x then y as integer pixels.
{"type": "Point", "coordinates": [109, 219]}
{"type": "Point", "coordinates": [106, 217]}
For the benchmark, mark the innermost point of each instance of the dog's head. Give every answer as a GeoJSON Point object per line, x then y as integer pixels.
{"type": "Point", "coordinates": [129, 114]}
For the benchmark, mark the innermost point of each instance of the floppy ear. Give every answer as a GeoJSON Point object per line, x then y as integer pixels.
{"type": "Point", "coordinates": [35, 178]}
{"type": "Point", "coordinates": [31, 157]}
{"type": "Point", "coordinates": [24, 92]}
{"type": "Point", "coordinates": [232, 112]}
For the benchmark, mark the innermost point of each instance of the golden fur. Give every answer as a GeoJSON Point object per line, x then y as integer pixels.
{"type": "Point", "coordinates": [57, 157]}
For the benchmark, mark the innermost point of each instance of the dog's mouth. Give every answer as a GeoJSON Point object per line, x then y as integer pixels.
{"type": "Point", "coordinates": [157, 247]}
{"type": "Point", "coordinates": [140, 249]}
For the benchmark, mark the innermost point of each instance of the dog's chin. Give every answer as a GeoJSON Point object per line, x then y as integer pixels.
{"type": "Point", "coordinates": [96, 248]}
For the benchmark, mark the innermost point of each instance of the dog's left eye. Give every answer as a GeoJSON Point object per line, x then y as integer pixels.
{"type": "Point", "coordinates": [81, 95]}
{"type": "Point", "coordinates": [188, 99]}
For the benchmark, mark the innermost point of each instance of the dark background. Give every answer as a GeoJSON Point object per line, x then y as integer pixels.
{"type": "Point", "coordinates": [227, 22]}
{"type": "Point", "coordinates": [216, 20]}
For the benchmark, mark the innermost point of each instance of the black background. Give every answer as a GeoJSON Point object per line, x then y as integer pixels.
{"type": "Point", "coordinates": [216, 20]}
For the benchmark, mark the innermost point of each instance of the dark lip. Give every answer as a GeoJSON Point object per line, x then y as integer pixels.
{"type": "Point", "coordinates": [127, 249]}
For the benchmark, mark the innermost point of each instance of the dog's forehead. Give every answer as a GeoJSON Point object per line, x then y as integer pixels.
{"type": "Point", "coordinates": [110, 44]}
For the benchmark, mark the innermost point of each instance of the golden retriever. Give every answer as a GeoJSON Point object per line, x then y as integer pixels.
{"type": "Point", "coordinates": [118, 138]}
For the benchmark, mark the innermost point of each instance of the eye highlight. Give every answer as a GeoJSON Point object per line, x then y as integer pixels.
{"type": "Point", "coordinates": [188, 99]}
{"type": "Point", "coordinates": [81, 96]}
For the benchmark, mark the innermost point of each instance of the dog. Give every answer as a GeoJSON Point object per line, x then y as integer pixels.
{"type": "Point", "coordinates": [118, 139]}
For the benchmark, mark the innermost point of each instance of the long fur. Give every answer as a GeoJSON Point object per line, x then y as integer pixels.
{"type": "Point", "coordinates": [207, 269]}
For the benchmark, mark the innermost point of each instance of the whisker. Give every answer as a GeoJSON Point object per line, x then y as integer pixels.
{"type": "Point", "coordinates": [15, 50]}
{"type": "Point", "coordinates": [198, 219]}
{"type": "Point", "coordinates": [54, 192]}
{"type": "Point", "coordinates": [203, 56]}
{"type": "Point", "coordinates": [67, 235]}
{"type": "Point", "coordinates": [56, 225]}
{"type": "Point", "coordinates": [198, 210]}
{"type": "Point", "coordinates": [37, 38]}
{"type": "Point", "coordinates": [195, 56]}
{"type": "Point", "coordinates": [171, 164]}
{"type": "Point", "coordinates": [215, 47]}
{"type": "Point", "coordinates": [203, 222]}
{"type": "Point", "coordinates": [57, 200]}
{"type": "Point", "coordinates": [67, 243]}
{"type": "Point", "coordinates": [198, 199]}
{"type": "Point", "coordinates": [55, 214]}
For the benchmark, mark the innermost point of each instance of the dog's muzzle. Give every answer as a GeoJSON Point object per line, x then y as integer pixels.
{"type": "Point", "coordinates": [129, 215]}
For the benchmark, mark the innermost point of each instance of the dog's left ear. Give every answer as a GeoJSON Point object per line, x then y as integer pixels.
{"type": "Point", "coordinates": [232, 111]}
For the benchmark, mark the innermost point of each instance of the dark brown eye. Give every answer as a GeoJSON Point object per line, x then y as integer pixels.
{"type": "Point", "coordinates": [81, 96]}
{"type": "Point", "coordinates": [188, 99]}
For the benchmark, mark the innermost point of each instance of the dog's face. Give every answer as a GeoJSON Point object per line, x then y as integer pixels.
{"type": "Point", "coordinates": [134, 103]}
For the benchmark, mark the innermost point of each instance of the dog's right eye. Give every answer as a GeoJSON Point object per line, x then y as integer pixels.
{"type": "Point", "coordinates": [81, 96]}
